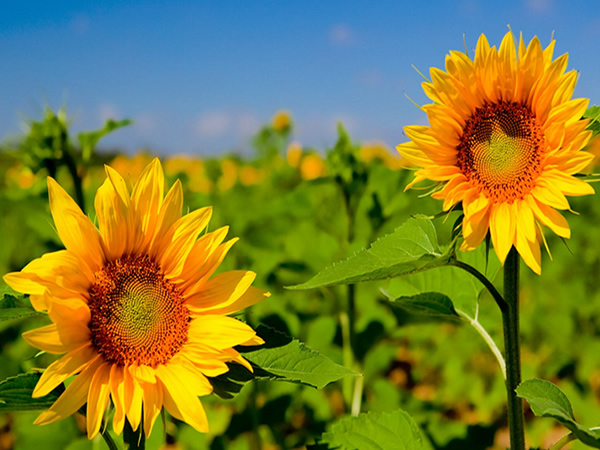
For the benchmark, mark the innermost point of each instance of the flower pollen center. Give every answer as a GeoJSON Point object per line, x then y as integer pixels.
{"type": "Point", "coordinates": [137, 316]}
{"type": "Point", "coordinates": [501, 151]}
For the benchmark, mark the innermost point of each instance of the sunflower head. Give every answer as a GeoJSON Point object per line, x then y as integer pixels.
{"type": "Point", "coordinates": [504, 140]}
{"type": "Point", "coordinates": [134, 305]}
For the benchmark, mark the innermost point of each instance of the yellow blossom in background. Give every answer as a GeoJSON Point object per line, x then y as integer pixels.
{"type": "Point", "coordinates": [593, 147]}
{"type": "Point", "coordinates": [193, 168]}
{"type": "Point", "coordinates": [504, 139]}
{"type": "Point", "coordinates": [312, 166]}
{"type": "Point", "coordinates": [134, 305]}
{"type": "Point", "coordinates": [282, 120]}
{"type": "Point", "coordinates": [250, 176]}
{"type": "Point", "coordinates": [378, 150]}
{"type": "Point", "coordinates": [20, 176]}
{"type": "Point", "coordinates": [131, 167]}
{"type": "Point", "coordinates": [294, 154]}
{"type": "Point", "coordinates": [229, 174]}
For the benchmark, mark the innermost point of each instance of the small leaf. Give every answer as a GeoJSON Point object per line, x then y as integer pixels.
{"type": "Point", "coordinates": [16, 307]}
{"type": "Point", "coordinates": [593, 113]}
{"type": "Point", "coordinates": [411, 248]}
{"type": "Point", "coordinates": [547, 400]}
{"type": "Point", "coordinates": [374, 431]}
{"type": "Point", "coordinates": [15, 393]}
{"type": "Point", "coordinates": [286, 359]}
{"type": "Point", "coordinates": [428, 304]}
{"type": "Point", "coordinates": [89, 139]}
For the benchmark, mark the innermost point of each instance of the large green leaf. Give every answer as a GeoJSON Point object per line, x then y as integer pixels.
{"type": "Point", "coordinates": [411, 248]}
{"type": "Point", "coordinates": [286, 359]}
{"type": "Point", "coordinates": [15, 393]}
{"type": "Point", "coordinates": [462, 288]}
{"type": "Point", "coordinates": [16, 307]}
{"type": "Point", "coordinates": [374, 431]}
{"type": "Point", "coordinates": [547, 400]}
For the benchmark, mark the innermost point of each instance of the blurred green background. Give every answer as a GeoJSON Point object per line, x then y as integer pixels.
{"type": "Point", "coordinates": [297, 210]}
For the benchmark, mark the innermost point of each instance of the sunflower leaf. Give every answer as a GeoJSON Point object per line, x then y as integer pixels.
{"type": "Point", "coordinates": [15, 393]}
{"type": "Point", "coordinates": [411, 248]}
{"type": "Point", "coordinates": [286, 359]}
{"type": "Point", "coordinates": [16, 307]}
{"type": "Point", "coordinates": [374, 431]}
{"type": "Point", "coordinates": [593, 113]}
{"type": "Point", "coordinates": [547, 400]}
{"type": "Point", "coordinates": [428, 305]}
{"type": "Point", "coordinates": [461, 288]}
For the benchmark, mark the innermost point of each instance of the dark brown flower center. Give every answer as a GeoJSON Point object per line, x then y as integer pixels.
{"type": "Point", "coordinates": [138, 317]}
{"type": "Point", "coordinates": [501, 150]}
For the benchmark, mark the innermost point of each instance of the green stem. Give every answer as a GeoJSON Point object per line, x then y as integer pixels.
{"type": "Point", "coordinates": [510, 319]}
{"type": "Point", "coordinates": [255, 439]}
{"type": "Point", "coordinates": [487, 283]}
{"type": "Point", "coordinates": [566, 439]}
{"type": "Point", "coordinates": [77, 182]}
{"type": "Point", "coordinates": [108, 439]}
{"type": "Point", "coordinates": [134, 440]}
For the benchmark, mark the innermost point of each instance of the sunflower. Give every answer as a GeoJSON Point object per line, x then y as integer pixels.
{"type": "Point", "coordinates": [505, 139]}
{"type": "Point", "coordinates": [135, 306]}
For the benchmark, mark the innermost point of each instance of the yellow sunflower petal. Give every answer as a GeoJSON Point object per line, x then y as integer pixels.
{"type": "Point", "coordinates": [146, 200]}
{"type": "Point", "coordinates": [153, 403]}
{"type": "Point", "coordinates": [117, 392]}
{"type": "Point", "coordinates": [46, 339]}
{"type": "Point", "coordinates": [184, 233]}
{"type": "Point", "coordinates": [179, 400]}
{"type": "Point", "coordinates": [221, 291]}
{"type": "Point", "coordinates": [529, 251]}
{"type": "Point", "coordinates": [76, 231]}
{"type": "Point", "coordinates": [112, 220]}
{"type": "Point", "coordinates": [502, 229]}
{"type": "Point", "coordinates": [133, 396]}
{"type": "Point", "coordinates": [62, 272]}
{"type": "Point", "coordinates": [219, 331]}
{"type": "Point", "coordinates": [97, 399]}
{"type": "Point", "coordinates": [73, 398]}
{"type": "Point", "coordinates": [70, 364]}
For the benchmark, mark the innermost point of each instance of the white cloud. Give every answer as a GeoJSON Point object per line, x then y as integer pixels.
{"type": "Point", "coordinates": [248, 124]}
{"type": "Point", "coordinates": [218, 123]}
{"type": "Point", "coordinates": [108, 111]}
{"type": "Point", "coordinates": [341, 35]}
{"type": "Point", "coordinates": [539, 6]}
{"type": "Point", "coordinates": [371, 78]}
{"type": "Point", "coordinates": [212, 124]}
{"type": "Point", "coordinates": [80, 24]}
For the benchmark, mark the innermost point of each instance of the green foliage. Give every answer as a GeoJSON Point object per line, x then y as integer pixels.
{"type": "Point", "coordinates": [16, 307]}
{"type": "Point", "coordinates": [374, 431]}
{"type": "Point", "coordinates": [432, 305]}
{"type": "Point", "coordinates": [547, 400]}
{"type": "Point", "coordinates": [15, 393]}
{"type": "Point", "coordinates": [286, 359]}
{"type": "Point", "coordinates": [89, 139]}
{"type": "Point", "coordinates": [593, 113]}
{"type": "Point", "coordinates": [412, 248]}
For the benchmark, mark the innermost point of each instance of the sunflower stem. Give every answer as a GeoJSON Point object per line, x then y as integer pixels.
{"type": "Point", "coordinates": [108, 439]}
{"type": "Point", "coordinates": [134, 439]}
{"type": "Point", "coordinates": [510, 319]}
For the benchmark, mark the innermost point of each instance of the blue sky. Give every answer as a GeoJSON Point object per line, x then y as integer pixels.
{"type": "Point", "coordinates": [201, 77]}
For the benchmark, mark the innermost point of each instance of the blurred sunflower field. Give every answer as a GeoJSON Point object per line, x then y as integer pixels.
{"type": "Point", "coordinates": [296, 211]}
